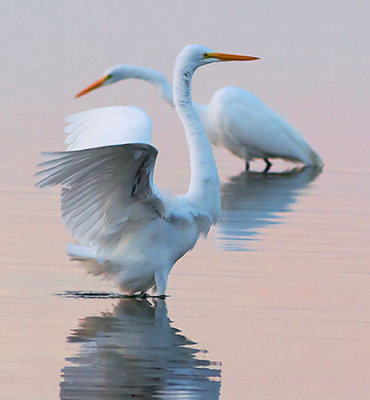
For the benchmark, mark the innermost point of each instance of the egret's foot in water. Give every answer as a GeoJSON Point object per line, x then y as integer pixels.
{"type": "Point", "coordinates": [268, 166]}
{"type": "Point", "coordinates": [141, 295]}
{"type": "Point", "coordinates": [144, 295]}
{"type": "Point", "coordinates": [160, 296]}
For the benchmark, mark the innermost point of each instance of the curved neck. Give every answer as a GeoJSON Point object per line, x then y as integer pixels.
{"type": "Point", "coordinates": [204, 186]}
{"type": "Point", "coordinates": [157, 79]}
{"type": "Point", "coordinates": [152, 76]}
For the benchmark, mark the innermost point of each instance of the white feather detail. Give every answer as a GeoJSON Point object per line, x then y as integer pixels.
{"type": "Point", "coordinates": [103, 188]}
{"type": "Point", "coordinates": [107, 126]}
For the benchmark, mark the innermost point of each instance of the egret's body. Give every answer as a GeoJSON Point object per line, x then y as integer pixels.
{"type": "Point", "coordinates": [125, 227]}
{"type": "Point", "coordinates": [235, 119]}
{"type": "Point", "coordinates": [143, 253]}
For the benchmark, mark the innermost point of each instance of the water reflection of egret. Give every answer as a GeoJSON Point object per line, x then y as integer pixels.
{"type": "Point", "coordinates": [134, 352]}
{"type": "Point", "coordinates": [253, 200]}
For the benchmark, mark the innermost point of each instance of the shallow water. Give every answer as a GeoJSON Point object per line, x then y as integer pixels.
{"type": "Point", "coordinates": [276, 303]}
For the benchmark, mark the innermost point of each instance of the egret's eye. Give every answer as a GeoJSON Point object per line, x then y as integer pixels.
{"type": "Point", "coordinates": [205, 55]}
{"type": "Point", "coordinates": [109, 76]}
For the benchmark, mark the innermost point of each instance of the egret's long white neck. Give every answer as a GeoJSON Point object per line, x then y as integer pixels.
{"type": "Point", "coordinates": [158, 80]}
{"type": "Point", "coordinates": [152, 76]}
{"type": "Point", "coordinates": [204, 187]}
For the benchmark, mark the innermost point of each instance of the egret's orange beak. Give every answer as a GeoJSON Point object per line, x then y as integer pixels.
{"type": "Point", "coordinates": [230, 57]}
{"type": "Point", "coordinates": [93, 86]}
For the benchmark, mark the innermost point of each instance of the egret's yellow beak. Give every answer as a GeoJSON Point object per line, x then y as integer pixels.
{"type": "Point", "coordinates": [93, 86]}
{"type": "Point", "coordinates": [230, 57]}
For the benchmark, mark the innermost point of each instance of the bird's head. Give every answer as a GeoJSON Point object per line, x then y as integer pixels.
{"type": "Point", "coordinates": [195, 55]}
{"type": "Point", "coordinates": [112, 75]}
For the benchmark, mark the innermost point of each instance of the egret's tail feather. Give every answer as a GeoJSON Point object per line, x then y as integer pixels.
{"type": "Point", "coordinates": [87, 257]}
{"type": "Point", "coordinates": [78, 252]}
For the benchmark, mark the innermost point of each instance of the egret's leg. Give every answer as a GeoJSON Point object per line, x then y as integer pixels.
{"type": "Point", "coordinates": [160, 278]}
{"type": "Point", "coordinates": [268, 165]}
{"type": "Point", "coordinates": [247, 159]}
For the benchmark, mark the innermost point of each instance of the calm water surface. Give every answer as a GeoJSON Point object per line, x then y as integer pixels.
{"type": "Point", "coordinates": [276, 303]}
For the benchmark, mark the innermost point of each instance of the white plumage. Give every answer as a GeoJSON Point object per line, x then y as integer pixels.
{"type": "Point", "coordinates": [239, 121]}
{"type": "Point", "coordinates": [107, 126]}
{"type": "Point", "coordinates": [235, 119]}
{"type": "Point", "coordinates": [125, 227]}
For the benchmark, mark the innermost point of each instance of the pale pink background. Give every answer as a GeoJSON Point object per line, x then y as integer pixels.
{"type": "Point", "coordinates": [289, 319]}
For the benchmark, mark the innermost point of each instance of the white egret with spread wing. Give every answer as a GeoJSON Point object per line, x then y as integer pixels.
{"type": "Point", "coordinates": [234, 118]}
{"type": "Point", "coordinates": [125, 227]}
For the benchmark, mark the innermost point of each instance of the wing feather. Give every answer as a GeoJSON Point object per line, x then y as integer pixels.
{"type": "Point", "coordinates": [107, 126]}
{"type": "Point", "coordinates": [103, 188]}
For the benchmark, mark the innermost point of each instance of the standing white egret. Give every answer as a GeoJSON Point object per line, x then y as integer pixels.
{"type": "Point", "coordinates": [234, 118]}
{"type": "Point", "coordinates": [126, 229]}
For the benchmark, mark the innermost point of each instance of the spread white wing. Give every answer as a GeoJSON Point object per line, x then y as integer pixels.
{"type": "Point", "coordinates": [104, 189]}
{"type": "Point", "coordinates": [107, 126]}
